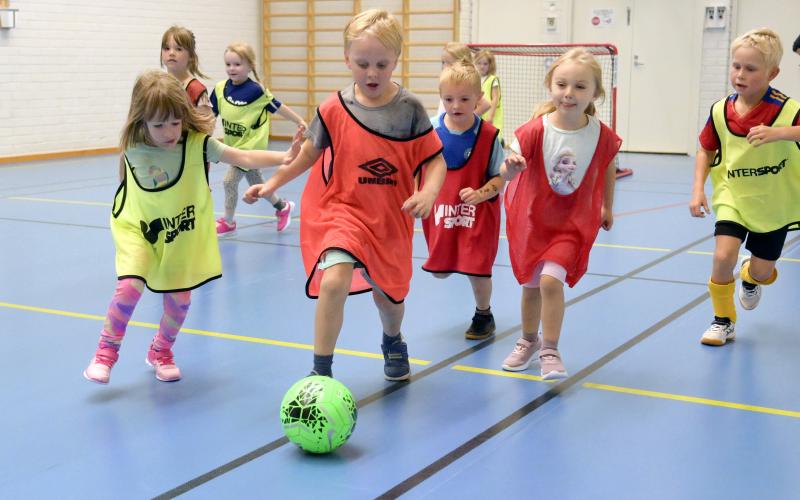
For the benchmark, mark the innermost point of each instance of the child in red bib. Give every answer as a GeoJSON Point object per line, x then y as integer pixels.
{"type": "Point", "coordinates": [556, 205]}
{"type": "Point", "coordinates": [463, 229]}
{"type": "Point", "coordinates": [369, 145]}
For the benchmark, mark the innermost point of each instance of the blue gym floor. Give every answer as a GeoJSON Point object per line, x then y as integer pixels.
{"type": "Point", "coordinates": [648, 412]}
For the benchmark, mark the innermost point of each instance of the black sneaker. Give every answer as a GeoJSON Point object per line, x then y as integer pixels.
{"type": "Point", "coordinates": [395, 361]}
{"type": "Point", "coordinates": [482, 327]}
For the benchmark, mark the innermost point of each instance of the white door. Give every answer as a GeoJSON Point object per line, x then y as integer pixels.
{"type": "Point", "coordinates": [658, 63]}
{"type": "Point", "coordinates": [781, 17]}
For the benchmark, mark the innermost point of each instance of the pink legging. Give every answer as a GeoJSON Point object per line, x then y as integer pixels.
{"type": "Point", "coordinates": [126, 296]}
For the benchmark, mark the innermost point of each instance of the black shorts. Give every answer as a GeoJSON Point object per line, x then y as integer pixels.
{"type": "Point", "coordinates": [767, 246]}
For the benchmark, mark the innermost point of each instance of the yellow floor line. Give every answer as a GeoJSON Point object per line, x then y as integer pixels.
{"type": "Point", "coordinates": [630, 247]}
{"type": "Point", "coordinates": [691, 399]}
{"type": "Point", "coordinates": [498, 373]}
{"type": "Point", "coordinates": [206, 333]}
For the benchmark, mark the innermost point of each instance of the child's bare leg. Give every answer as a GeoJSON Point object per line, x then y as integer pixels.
{"type": "Point", "coordinates": [552, 293]}
{"type": "Point", "coordinates": [531, 312]}
{"type": "Point", "coordinates": [329, 314]}
{"type": "Point", "coordinates": [761, 270]}
{"type": "Point", "coordinates": [482, 290]}
{"type": "Point", "coordinates": [726, 254]}
{"type": "Point", "coordinates": [391, 314]}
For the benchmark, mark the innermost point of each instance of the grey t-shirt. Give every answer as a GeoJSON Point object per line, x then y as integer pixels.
{"type": "Point", "coordinates": [403, 117]}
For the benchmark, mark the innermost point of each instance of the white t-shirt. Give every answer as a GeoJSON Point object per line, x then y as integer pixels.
{"type": "Point", "coordinates": [567, 153]}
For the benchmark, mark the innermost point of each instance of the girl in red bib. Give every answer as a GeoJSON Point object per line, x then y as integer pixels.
{"type": "Point", "coordinates": [369, 145]}
{"type": "Point", "coordinates": [179, 57]}
{"type": "Point", "coordinates": [556, 205]}
{"type": "Point", "coordinates": [463, 229]}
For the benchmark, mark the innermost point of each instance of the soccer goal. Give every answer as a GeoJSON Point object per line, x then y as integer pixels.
{"type": "Point", "coordinates": [521, 70]}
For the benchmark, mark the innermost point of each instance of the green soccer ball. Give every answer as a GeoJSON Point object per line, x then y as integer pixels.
{"type": "Point", "coordinates": [318, 414]}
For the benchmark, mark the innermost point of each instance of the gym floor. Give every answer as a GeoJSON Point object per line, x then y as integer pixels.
{"type": "Point", "coordinates": [648, 412]}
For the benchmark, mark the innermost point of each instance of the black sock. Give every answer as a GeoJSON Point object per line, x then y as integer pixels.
{"type": "Point", "coordinates": [748, 285]}
{"type": "Point", "coordinates": [280, 204]}
{"type": "Point", "coordinates": [724, 320]}
{"type": "Point", "coordinates": [387, 340]}
{"type": "Point", "coordinates": [322, 365]}
{"type": "Point", "coordinates": [485, 312]}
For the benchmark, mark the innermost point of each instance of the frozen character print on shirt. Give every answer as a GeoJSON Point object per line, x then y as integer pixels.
{"type": "Point", "coordinates": [562, 175]}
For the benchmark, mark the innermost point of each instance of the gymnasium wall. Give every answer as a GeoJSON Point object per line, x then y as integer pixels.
{"type": "Point", "coordinates": [67, 69]}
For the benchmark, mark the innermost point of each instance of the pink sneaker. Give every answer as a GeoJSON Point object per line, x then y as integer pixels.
{"type": "Point", "coordinates": [99, 370]}
{"type": "Point", "coordinates": [285, 216]}
{"type": "Point", "coordinates": [224, 228]}
{"type": "Point", "coordinates": [162, 361]}
{"type": "Point", "coordinates": [552, 367]}
{"type": "Point", "coordinates": [520, 357]}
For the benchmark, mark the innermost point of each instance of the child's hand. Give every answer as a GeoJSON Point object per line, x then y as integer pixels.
{"type": "Point", "coordinates": [762, 134]}
{"type": "Point", "coordinates": [419, 204]}
{"type": "Point", "coordinates": [471, 196]}
{"type": "Point", "coordinates": [606, 218]}
{"type": "Point", "coordinates": [302, 127]}
{"type": "Point", "coordinates": [294, 149]}
{"type": "Point", "coordinates": [255, 192]}
{"type": "Point", "coordinates": [515, 164]}
{"type": "Point", "coordinates": [698, 205]}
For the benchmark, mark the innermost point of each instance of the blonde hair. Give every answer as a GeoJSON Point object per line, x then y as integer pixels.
{"type": "Point", "coordinates": [158, 96]}
{"type": "Point", "coordinates": [765, 41]}
{"type": "Point", "coordinates": [185, 39]}
{"type": "Point", "coordinates": [246, 52]}
{"type": "Point", "coordinates": [458, 51]}
{"type": "Point", "coordinates": [579, 56]}
{"type": "Point", "coordinates": [461, 72]}
{"type": "Point", "coordinates": [487, 54]}
{"type": "Point", "coordinates": [377, 23]}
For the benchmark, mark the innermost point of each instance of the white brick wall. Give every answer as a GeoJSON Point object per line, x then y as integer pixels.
{"type": "Point", "coordinates": [67, 69]}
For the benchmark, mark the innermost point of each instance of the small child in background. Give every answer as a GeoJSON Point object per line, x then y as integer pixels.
{"type": "Point", "coordinates": [179, 57]}
{"type": "Point", "coordinates": [551, 229]}
{"type": "Point", "coordinates": [162, 219]}
{"type": "Point", "coordinates": [245, 107]}
{"type": "Point", "coordinates": [370, 144]}
{"type": "Point", "coordinates": [463, 229]}
{"type": "Point", "coordinates": [490, 85]}
{"type": "Point", "coordinates": [755, 198]}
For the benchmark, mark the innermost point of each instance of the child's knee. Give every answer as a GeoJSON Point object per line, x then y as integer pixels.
{"type": "Point", "coordinates": [549, 285]}
{"type": "Point", "coordinates": [441, 276]}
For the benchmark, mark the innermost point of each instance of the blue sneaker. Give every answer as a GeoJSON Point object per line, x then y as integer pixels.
{"type": "Point", "coordinates": [395, 360]}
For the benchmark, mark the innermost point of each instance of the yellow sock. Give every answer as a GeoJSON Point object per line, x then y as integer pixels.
{"type": "Point", "coordinates": [745, 275]}
{"type": "Point", "coordinates": [722, 299]}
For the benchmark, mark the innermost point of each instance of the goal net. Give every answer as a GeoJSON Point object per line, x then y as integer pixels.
{"type": "Point", "coordinates": [521, 70]}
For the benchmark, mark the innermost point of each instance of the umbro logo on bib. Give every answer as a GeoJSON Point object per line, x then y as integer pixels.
{"type": "Point", "coordinates": [381, 171]}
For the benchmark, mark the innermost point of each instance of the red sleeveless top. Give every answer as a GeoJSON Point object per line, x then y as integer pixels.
{"type": "Point", "coordinates": [353, 197]}
{"type": "Point", "coordinates": [463, 238]}
{"type": "Point", "coordinates": [195, 89]}
{"type": "Point", "coordinates": [544, 225]}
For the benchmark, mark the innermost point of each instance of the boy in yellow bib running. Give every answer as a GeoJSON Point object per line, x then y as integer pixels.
{"type": "Point", "coordinates": [749, 147]}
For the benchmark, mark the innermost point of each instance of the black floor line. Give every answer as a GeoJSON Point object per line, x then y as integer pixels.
{"type": "Point", "coordinates": [417, 478]}
{"type": "Point", "coordinates": [427, 472]}
{"type": "Point", "coordinates": [269, 447]}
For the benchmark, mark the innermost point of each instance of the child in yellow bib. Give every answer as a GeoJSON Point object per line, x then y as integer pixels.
{"type": "Point", "coordinates": [245, 107]}
{"type": "Point", "coordinates": [749, 147]}
{"type": "Point", "coordinates": [162, 218]}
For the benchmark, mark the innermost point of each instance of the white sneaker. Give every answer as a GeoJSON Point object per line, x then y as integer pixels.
{"type": "Point", "coordinates": [749, 298]}
{"type": "Point", "coordinates": [718, 333]}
